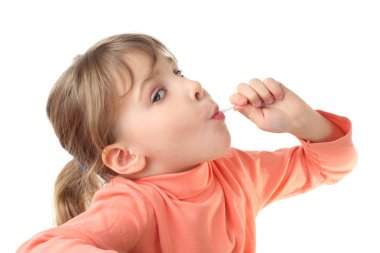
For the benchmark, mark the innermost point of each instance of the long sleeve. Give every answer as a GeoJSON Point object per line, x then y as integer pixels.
{"type": "Point", "coordinates": [114, 221]}
{"type": "Point", "coordinates": [286, 172]}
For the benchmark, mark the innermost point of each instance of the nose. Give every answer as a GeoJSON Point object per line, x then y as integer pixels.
{"type": "Point", "coordinates": [196, 91]}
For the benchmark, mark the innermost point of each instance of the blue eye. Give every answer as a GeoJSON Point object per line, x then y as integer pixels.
{"type": "Point", "coordinates": [179, 73]}
{"type": "Point", "coordinates": [158, 95]}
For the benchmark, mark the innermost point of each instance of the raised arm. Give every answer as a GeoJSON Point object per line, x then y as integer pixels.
{"type": "Point", "coordinates": [326, 153]}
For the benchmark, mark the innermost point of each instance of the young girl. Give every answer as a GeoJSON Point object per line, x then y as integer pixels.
{"type": "Point", "coordinates": [152, 168]}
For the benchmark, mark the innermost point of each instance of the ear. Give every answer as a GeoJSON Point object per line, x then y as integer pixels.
{"type": "Point", "coordinates": [122, 160]}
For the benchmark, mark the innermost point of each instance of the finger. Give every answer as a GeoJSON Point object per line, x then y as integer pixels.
{"type": "Point", "coordinates": [252, 113]}
{"type": "Point", "coordinates": [275, 88]}
{"type": "Point", "coordinates": [248, 92]}
{"type": "Point", "coordinates": [238, 99]}
{"type": "Point", "coordinates": [262, 91]}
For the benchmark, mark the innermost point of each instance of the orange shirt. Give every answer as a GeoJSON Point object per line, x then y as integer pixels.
{"type": "Point", "coordinates": [211, 208]}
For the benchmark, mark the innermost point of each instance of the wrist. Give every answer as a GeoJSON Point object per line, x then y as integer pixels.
{"type": "Point", "coordinates": [316, 128]}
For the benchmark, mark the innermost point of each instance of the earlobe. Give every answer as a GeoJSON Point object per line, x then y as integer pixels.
{"type": "Point", "coordinates": [122, 160]}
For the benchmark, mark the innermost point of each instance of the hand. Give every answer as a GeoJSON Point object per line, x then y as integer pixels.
{"type": "Point", "coordinates": [271, 106]}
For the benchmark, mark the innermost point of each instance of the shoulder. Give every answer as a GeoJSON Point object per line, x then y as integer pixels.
{"type": "Point", "coordinates": [251, 161]}
{"type": "Point", "coordinates": [115, 204]}
{"type": "Point", "coordinates": [121, 193]}
{"type": "Point", "coordinates": [236, 161]}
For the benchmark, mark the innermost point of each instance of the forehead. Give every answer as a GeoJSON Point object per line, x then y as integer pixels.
{"type": "Point", "coordinates": [139, 68]}
{"type": "Point", "coordinates": [143, 65]}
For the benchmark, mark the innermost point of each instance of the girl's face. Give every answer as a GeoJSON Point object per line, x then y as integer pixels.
{"type": "Point", "coordinates": [169, 118]}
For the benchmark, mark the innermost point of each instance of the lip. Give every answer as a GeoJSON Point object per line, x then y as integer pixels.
{"type": "Point", "coordinates": [218, 115]}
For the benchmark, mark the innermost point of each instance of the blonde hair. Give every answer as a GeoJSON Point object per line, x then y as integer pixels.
{"type": "Point", "coordinates": [82, 107]}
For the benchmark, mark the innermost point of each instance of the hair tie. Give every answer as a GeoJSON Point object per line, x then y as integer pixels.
{"type": "Point", "coordinates": [82, 167]}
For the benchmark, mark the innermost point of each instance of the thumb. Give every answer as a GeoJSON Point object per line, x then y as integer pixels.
{"type": "Point", "coordinates": [250, 112]}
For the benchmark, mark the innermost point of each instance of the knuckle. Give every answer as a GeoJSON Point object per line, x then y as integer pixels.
{"type": "Point", "coordinates": [254, 82]}
{"type": "Point", "coordinates": [269, 80]}
{"type": "Point", "coordinates": [241, 86]}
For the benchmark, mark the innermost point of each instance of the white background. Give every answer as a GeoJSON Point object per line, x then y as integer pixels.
{"type": "Point", "coordinates": [326, 51]}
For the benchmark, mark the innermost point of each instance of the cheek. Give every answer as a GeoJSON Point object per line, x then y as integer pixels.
{"type": "Point", "coordinates": [157, 131]}
{"type": "Point", "coordinates": [173, 126]}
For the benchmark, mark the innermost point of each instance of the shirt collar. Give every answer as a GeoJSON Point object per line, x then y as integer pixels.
{"type": "Point", "coordinates": [183, 185]}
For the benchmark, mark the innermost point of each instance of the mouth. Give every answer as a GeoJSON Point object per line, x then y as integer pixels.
{"type": "Point", "coordinates": [218, 115]}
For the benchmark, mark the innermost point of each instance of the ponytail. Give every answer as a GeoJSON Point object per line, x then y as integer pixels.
{"type": "Point", "coordinates": [74, 189]}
